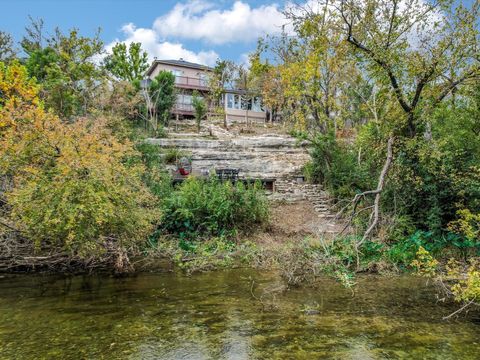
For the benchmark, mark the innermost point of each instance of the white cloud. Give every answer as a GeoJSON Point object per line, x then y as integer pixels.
{"type": "Point", "coordinates": [155, 47]}
{"type": "Point", "coordinates": [200, 20]}
{"type": "Point", "coordinates": [204, 21]}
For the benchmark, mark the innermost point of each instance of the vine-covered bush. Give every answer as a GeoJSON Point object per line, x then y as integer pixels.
{"type": "Point", "coordinates": [213, 208]}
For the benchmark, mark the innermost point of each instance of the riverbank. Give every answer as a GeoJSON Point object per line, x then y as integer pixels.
{"type": "Point", "coordinates": [290, 224]}
{"type": "Point", "coordinates": [294, 240]}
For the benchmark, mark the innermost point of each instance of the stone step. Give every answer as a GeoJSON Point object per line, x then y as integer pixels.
{"type": "Point", "coordinates": [317, 197]}
{"type": "Point", "coordinates": [319, 202]}
{"type": "Point", "coordinates": [326, 216]}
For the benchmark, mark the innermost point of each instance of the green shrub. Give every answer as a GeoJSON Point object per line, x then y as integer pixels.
{"type": "Point", "coordinates": [205, 208]}
{"type": "Point", "coordinates": [335, 165]}
{"type": "Point", "coordinates": [309, 171]}
{"type": "Point", "coordinates": [155, 176]}
{"type": "Point", "coordinates": [404, 251]}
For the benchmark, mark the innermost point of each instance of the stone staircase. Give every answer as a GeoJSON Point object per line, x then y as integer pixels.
{"type": "Point", "coordinates": [313, 193]}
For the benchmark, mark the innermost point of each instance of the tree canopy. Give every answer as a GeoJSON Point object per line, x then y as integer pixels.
{"type": "Point", "coordinates": [128, 64]}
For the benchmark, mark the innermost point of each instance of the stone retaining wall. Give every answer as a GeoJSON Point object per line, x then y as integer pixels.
{"type": "Point", "coordinates": [260, 157]}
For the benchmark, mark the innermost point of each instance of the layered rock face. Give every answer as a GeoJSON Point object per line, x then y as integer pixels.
{"type": "Point", "coordinates": [257, 157]}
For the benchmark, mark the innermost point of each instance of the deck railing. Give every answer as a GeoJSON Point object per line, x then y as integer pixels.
{"type": "Point", "coordinates": [183, 107]}
{"type": "Point", "coordinates": [191, 82]}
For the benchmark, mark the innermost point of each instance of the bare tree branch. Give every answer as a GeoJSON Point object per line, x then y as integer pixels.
{"type": "Point", "coordinates": [378, 191]}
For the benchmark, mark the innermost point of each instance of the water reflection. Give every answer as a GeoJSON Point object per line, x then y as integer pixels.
{"type": "Point", "coordinates": [214, 316]}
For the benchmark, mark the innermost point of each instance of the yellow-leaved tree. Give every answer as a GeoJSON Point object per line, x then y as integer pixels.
{"type": "Point", "coordinates": [71, 187]}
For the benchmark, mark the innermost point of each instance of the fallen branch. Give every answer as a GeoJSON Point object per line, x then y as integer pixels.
{"type": "Point", "coordinates": [375, 215]}
{"type": "Point", "coordinates": [472, 302]}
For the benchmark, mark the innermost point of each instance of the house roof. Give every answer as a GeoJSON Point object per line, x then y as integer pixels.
{"type": "Point", "coordinates": [179, 62]}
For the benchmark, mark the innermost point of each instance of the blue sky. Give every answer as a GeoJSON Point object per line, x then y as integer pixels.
{"type": "Point", "coordinates": [196, 30]}
{"type": "Point", "coordinates": [226, 29]}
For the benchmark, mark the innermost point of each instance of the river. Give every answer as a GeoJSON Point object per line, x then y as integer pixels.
{"type": "Point", "coordinates": [235, 314]}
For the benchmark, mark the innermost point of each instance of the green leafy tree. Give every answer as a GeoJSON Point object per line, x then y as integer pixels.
{"type": "Point", "coordinates": [66, 69]}
{"type": "Point", "coordinates": [261, 75]}
{"type": "Point", "coordinates": [312, 72]}
{"type": "Point", "coordinates": [199, 107]}
{"type": "Point", "coordinates": [415, 55]}
{"type": "Point", "coordinates": [160, 97]}
{"type": "Point", "coordinates": [40, 62]}
{"type": "Point", "coordinates": [127, 64]}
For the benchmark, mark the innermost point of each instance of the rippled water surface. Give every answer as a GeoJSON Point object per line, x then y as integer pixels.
{"type": "Point", "coordinates": [227, 315]}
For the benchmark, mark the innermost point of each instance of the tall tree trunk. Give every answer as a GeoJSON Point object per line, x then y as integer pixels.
{"type": "Point", "coordinates": [411, 128]}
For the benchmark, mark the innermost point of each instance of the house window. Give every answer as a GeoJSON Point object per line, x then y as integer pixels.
{"type": "Point", "coordinates": [238, 102]}
{"type": "Point", "coordinates": [242, 102]}
{"type": "Point", "coordinates": [257, 104]}
{"type": "Point", "coordinates": [230, 101]}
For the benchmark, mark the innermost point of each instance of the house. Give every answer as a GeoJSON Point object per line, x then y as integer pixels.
{"type": "Point", "coordinates": [190, 77]}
